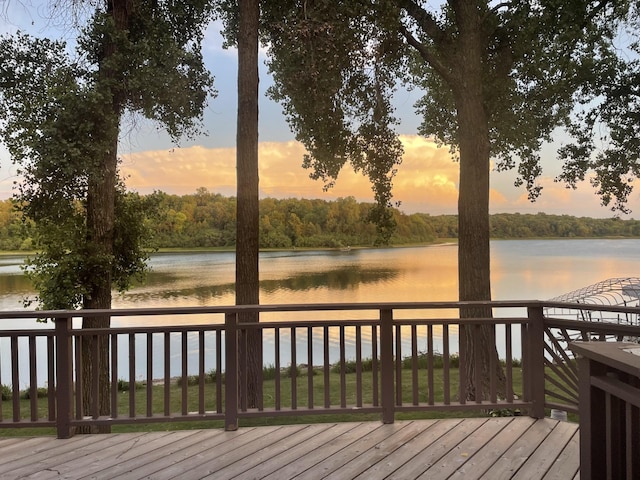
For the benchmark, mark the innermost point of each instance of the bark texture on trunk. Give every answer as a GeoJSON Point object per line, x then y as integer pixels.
{"type": "Point", "coordinates": [100, 225]}
{"type": "Point", "coordinates": [247, 229]}
{"type": "Point", "coordinates": [474, 273]}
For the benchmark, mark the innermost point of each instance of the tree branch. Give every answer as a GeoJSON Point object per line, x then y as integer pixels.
{"type": "Point", "coordinates": [427, 55]}
{"type": "Point", "coordinates": [425, 21]}
{"type": "Point", "coordinates": [430, 26]}
{"type": "Point", "coordinates": [499, 6]}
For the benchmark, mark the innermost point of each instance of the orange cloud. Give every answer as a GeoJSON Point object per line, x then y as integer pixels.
{"type": "Point", "coordinates": [180, 170]}
{"type": "Point", "coordinates": [426, 181]}
{"type": "Point", "coordinates": [556, 198]}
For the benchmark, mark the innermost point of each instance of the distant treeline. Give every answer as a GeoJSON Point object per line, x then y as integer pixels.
{"type": "Point", "coordinates": [206, 219]}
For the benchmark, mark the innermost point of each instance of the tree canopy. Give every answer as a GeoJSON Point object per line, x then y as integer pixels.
{"type": "Point", "coordinates": [606, 128]}
{"type": "Point", "coordinates": [498, 78]}
{"type": "Point", "coordinates": [60, 120]}
{"type": "Point", "coordinates": [62, 127]}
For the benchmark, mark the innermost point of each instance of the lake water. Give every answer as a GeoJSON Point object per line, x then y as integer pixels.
{"type": "Point", "coordinates": [520, 270]}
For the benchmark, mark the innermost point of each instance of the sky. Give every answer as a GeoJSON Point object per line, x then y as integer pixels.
{"type": "Point", "coordinates": [426, 181]}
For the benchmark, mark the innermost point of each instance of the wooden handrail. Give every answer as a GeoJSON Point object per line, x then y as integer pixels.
{"type": "Point", "coordinates": [609, 403]}
{"type": "Point", "coordinates": [382, 332]}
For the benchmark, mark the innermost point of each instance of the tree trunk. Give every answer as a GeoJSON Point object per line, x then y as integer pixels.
{"type": "Point", "coordinates": [247, 229]}
{"type": "Point", "coordinates": [473, 203]}
{"type": "Point", "coordinates": [100, 226]}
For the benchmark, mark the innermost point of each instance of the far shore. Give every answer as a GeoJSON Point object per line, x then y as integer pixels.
{"type": "Point", "coordinates": [435, 243]}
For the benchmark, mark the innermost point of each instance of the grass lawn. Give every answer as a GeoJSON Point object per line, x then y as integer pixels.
{"type": "Point", "coordinates": [157, 397]}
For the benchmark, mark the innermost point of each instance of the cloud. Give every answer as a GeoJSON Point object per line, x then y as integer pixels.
{"type": "Point", "coordinates": [180, 170]}
{"type": "Point", "coordinates": [426, 181]}
{"type": "Point", "coordinates": [583, 201]}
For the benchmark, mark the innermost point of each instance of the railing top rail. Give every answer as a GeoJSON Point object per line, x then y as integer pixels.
{"type": "Point", "coordinates": [274, 308]}
{"type": "Point", "coordinates": [127, 312]}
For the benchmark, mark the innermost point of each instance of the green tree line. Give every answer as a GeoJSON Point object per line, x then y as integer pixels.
{"type": "Point", "coordinates": [206, 219]}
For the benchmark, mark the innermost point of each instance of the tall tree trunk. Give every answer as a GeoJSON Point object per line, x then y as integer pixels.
{"type": "Point", "coordinates": [247, 229]}
{"type": "Point", "coordinates": [100, 225]}
{"type": "Point", "coordinates": [474, 273]}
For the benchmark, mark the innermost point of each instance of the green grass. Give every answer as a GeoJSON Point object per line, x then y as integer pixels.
{"type": "Point", "coordinates": [269, 393]}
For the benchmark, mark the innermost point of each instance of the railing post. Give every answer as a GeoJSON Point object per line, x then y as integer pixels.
{"type": "Point", "coordinates": [386, 366]}
{"type": "Point", "coordinates": [535, 369]}
{"type": "Point", "coordinates": [231, 372]}
{"type": "Point", "coordinates": [609, 403]}
{"type": "Point", "coordinates": [592, 419]}
{"type": "Point", "coordinates": [64, 377]}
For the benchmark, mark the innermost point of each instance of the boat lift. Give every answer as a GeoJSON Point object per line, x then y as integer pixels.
{"type": "Point", "coordinates": [614, 291]}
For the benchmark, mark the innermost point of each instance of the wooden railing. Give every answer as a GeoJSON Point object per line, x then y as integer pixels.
{"type": "Point", "coordinates": [370, 358]}
{"type": "Point", "coordinates": [560, 367]}
{"type": "Point", "coordinates": [609, 409]}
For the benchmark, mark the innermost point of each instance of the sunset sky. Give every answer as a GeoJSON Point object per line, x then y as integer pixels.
{"type": "Point", "coordinates": [427, 180]}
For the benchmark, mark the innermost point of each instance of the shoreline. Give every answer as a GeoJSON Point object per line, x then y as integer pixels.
{"type": "Point", "coordinates": [440, 242]}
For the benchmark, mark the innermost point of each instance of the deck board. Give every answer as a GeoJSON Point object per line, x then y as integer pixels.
{"type": "Point", "coordinates": [568, 463]}
{"type": "Point", "coordinates": [379, 452]}
{"type": "Point", "coordinates": [470, 448]}
{"type": "Point", "coordinates": [144, 450]}
{"type": "Point", "coordinates": [425, 459]}
{"type": "Point", "coordinates": [539, 463]}
{"type": "Point", "coordinates": [495, 448]}
{"type": "Point", "coordinates": [218, 446]}
{"type": "Point", "coordinates": [46, 457]}
{"type": "Point", "coordinates": [237, 464]}
{"type": "Point", "coordinates": [507, 465]}
{"type": "Point", "coordinates": [312, 457]}
{"type": "Point", "coordinates": [464, 451]}
{"type": "Point", "coordinates": [277, 464]}
{"type": "Point", "coordinates": [345, 455]}
{"type": "Point", "coordinates": [429, 435]}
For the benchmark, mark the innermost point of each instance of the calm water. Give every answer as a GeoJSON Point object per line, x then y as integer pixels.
{"type": "Point", "coordinates": [520, 270]}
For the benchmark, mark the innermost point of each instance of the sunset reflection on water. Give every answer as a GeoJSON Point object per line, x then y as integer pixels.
{"type": "Point", "coordinates": [521, 270]}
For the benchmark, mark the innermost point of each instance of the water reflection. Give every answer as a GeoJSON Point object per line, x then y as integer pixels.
{"type": "Point", "coordinates": [343, 278]}
{"type": "Point", "coordinates": [520, 270]}
{"type": "Point", "coordinates": [523, 269]}
{"type": "Point", "coordinates": [14, 284]}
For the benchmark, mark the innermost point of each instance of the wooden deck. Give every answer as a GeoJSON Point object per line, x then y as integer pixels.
{"type": "Point", "coordinates": [470, 448]}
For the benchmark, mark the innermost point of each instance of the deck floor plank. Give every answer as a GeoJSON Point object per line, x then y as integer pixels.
{"type": "Point", "coordinates": [486, 456]}
{"type": "Point", "coordinates": [262, 455]}
{"type": "Point", "coordinates": [425, 458]}
{"type": "Point", "coordinates": [380, 451]}
{"type": "Point", "coordinates": [278, 463]}
{"type": "Point", "coordinates": [458, 456]}
{"type": "Point", "coordinates": [402, 455]}
{"type": "Point", "coordinates": [508, 464]}
{"type": "Point", "coordinates": [173, 466]}
{"type": "Point", "coordinates": [144, 450]}
{"type": "Point", "coordinates": [331, 463]}
{"type": "Point", "coordinates": [158, 453]}
{"type": "Point", "coordinates": [68, 464]}
{"type": "Point", "coordinates": [53, 453]}
{"type": "Point", "coordinates": [469, 448]}
{"type": "Point", "coordinates": [311, 458]}
{"type": "Point", "coordinates": [545, 455]}
{"type": "Point", "coordinates": [567, 465]}
{"type": "Point", "coordinates": [25, 447]}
